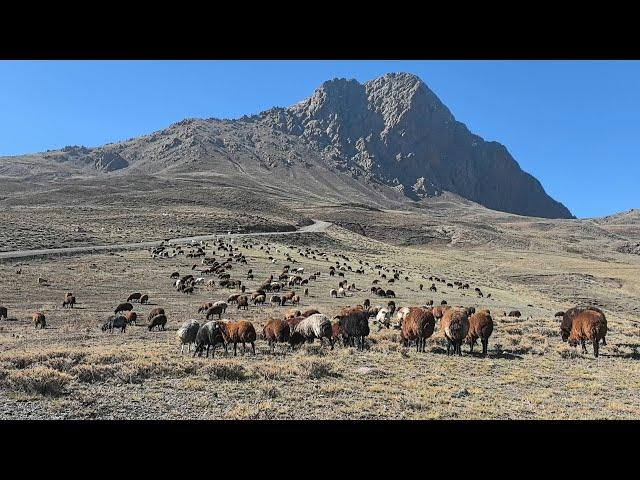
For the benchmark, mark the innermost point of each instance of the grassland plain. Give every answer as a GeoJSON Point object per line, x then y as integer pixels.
{"type": "Point", "coordinates": [74, 370]}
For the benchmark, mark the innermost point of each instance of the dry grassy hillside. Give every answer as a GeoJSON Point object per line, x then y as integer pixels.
{"type": "Point", "coordinates": [74, 370]}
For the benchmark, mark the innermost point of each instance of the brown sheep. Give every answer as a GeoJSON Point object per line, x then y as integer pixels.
{"type": "Point", "coordinates": [569, 315]}
{"type": "Point", "coordinates": [275, 331]}
{"type": "Point", "coordinates": [144, 299]}
{"type": "Point", "coordinates": [295, 300]}
{"type": "Point", "coordinates": [515, 313]}
{"type": "Point", "coordinates": [156, 311]}
{"type": "Point", "coordinates": [309, 312]}
{"type": "Point", "coordinates": [243, 302]}
{"type": "Point", "coordinates": [417, 325]}
{"type": "Point", "coordinates": [439, 310]}
{"type": "Point", "coordinates": [205, 306]}
{"type": "Point", "coordinates": [259, 299]}
{"type": "Point", "coordinates": [39, 320]}
{"type": "Point", "coordinates": [69, 302]}
{"type": "Point", "coordinates": [455, 325]}
{"type": "Point", "coordinates": [131, 317]}
{"type": "Point", "coordinates": [291, 313]}
{"type": "Point", "coordinates": [3, 313]}
{"type": "Point", "coordinates": [367, 303]}
{"type": "Point", "coordinates": [233, 298]}
{"type": "Point", "coordinates": [240, 331]}
{"type": "Point", "coordinates": [480, 326]}
{"type": "Point", "coordinates": [293, 322]}
{"type": "Point", "coordinates": [336, 332]}
{"type": "Point", "coordinates": [588, 325]}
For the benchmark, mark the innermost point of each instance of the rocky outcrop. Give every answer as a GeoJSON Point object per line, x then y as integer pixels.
{"type": "Point", "coordinates": [395, 130]}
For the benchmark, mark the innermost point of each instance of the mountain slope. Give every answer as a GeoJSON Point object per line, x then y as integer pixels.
{"type": "Point", "coordinates": [386, 142]}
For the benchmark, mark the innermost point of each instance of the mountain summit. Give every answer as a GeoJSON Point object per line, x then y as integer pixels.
{"type": "Point", "coordinates": [386, 142]}
{"type": "Point", "coordinates": [397, 131]}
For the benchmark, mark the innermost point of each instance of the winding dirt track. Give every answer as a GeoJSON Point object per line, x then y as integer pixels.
{"type": "Point", "coordinates": [317, 226]}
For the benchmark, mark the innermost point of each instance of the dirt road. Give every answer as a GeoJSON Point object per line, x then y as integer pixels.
{"type": "Point", "coordinates": [317, 226]}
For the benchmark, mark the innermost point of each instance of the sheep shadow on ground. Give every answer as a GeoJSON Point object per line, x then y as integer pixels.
{"type": "Point", "coordinates": [478, 354]}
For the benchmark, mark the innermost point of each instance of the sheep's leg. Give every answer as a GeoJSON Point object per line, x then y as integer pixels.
{"type": "Point", "coordinates": [331, 343]}
{"type": "Point", "coordinates": [471, 344]}
{"type": "Point", "coordinates": [253, 347]}
{"type": "Point", "coordinates": [235, 352]}
{"type": "Point", "coordinates": [584, 346]}
{"type": "Point", "coordinates": [244, 348]}
{"type": "Point", "coordinates": [208, 347]}
{"type": "Point", "coordinates": [596, 347]}
{"type": "Point", "coordinates": [485, 346]}
{"type": "Point", "coordinates": [604, 341]}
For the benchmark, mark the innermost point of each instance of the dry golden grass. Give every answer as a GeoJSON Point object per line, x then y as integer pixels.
{"type": "Point", "coordinates": [528, 374]}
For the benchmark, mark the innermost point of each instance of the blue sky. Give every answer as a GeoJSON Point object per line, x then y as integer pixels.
{"type": "Point", "coordinates": [573, 125]}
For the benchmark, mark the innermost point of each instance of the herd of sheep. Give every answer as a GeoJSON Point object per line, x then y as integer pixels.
{"type": "Point", "coordinates": [351, 326]}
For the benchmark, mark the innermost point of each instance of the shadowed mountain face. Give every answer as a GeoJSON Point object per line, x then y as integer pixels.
{"type": "Point", "coordinates": [396, 130]}
{"type": "Point", "coordinates": [387, 141]}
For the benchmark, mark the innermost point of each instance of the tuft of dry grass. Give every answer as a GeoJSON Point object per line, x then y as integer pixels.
{"type": "Point", "coordinates": [42, 380]}
{"type": "Point", "coordinates": [226, 370]}
{"type": "Point", "coordinates": [315, 368]}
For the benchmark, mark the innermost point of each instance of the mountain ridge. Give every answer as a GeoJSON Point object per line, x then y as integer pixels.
{"type": "Point", "coordinates": [391, 134]}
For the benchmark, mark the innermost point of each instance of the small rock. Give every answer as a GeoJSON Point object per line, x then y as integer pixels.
{"type": "Point", "coordinates": [462, 393]}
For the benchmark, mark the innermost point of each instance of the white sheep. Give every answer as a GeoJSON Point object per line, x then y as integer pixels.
{"type": "Point", "coordinates": [317, 325]}
{"type": "Point", "coordinates": [187, 333]}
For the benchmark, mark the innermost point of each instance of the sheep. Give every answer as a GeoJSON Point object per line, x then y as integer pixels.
{"type": "Point", "coordinates": [309, 312]}
{"type": "Point", "coordinates": [174, 275]}
{"type": "Point", "coordinates": [217, 308]}
{"type": "Point", "coordinates": [205, 306]}
{"type": "Point", "coordinates": [131, 317]}
{"type": "Point", "coordinates": [275, 299]}
{"type": "Point", "coordinates": [559, 314]}
{"type": "Point", "coordinates": [115, 322]}
{"type": "Point", "coordinates": [417, 324]}
{"type": "Point", "coordinates": [354, 325]}
{"type": "Point", "coordinates": [333, 293]}
{"type": "Point", "coordinates": [295, 300]}
{"type": "Point", "coordinates": [439, 311]}
{"type": "Point", "coordinates": [275, 331]}
{"type": "Point", "coordinates": [589, 325]}
{"type": "Point", "coordinates": [306, 292]}
{"type": "Point", "coordinates": [292, 313]}
{"type": "Point", "coordinates": [243, 302]}
{"type": "Point", "coordinates": [515, 313]}
{"type": "Point", "coordinates": [69, 302]}
{"type": "Point", "coordinates": [144, 299]}
{"type": "Point", "coordinates": [154, 312]}
{"type": "Point", "coordinates": [336, 332]}
{"type": "Point", "coordinates": [187, 334]}
{"type": "Point", "coordinates": [480, 326]}
{"type": "Point", "coordinates": [314, 326]}
{"type": "Point", "coordinates": [38, 318]}
{"type": "Point", "coordinates": [383, 318]}
{"type": "Point", "coordinates": [3, 313]}
{"type": "Point", "coordinates": [569, 315]}
{"type": "Point", "coordinates": [233, 298]}
{"type": "Point", "coordinates": [134, 296]}
{"type": "Point", "coordinates": [208, 335]}
{"type": "Point", "coordinates": [455, 325]}
{"type": "Point", "coordinates": [241, 331]}
{"type": "Point", "coordinates": [158, 321]}
{"type": "Point", "coordinates": [259, 299]}
{"type": "Point", "coordinates": [123, 307]}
